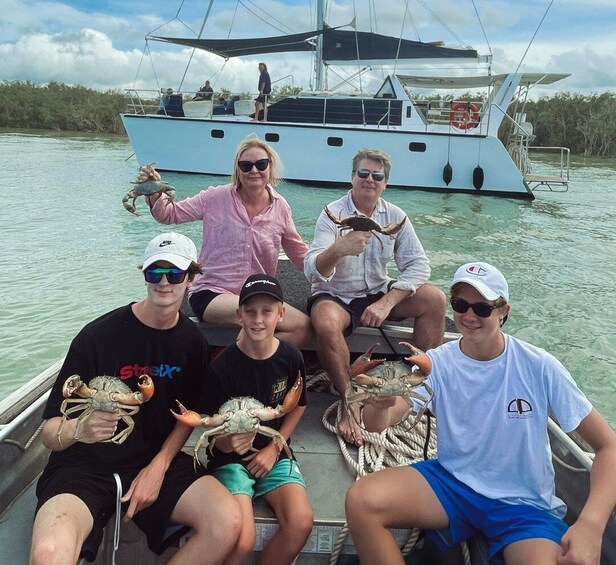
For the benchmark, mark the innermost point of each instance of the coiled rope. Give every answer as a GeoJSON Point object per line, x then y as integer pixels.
{"type": "Point", "coordinates": [396, 446]}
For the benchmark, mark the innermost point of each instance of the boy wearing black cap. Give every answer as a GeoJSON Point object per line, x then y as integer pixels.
{"type": "Point", "coordinates": [261, 366]}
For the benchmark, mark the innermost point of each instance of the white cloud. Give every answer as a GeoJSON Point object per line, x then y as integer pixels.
{"type": "Point", "coordinates": [45, 41]}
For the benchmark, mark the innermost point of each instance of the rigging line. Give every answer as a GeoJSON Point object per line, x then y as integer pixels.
{"type": "Point", "coordinates": [262, 19]}
{"type": "Point", "coordinates": [270, 16]}
{"type": "Point", "coordinates": [440, 20]}
{"type": "Point", "coordinates": [406, 10]}
{"type": "Point", "coordinates": [482, 28]}
{"type": "Point", "coordinates": [357, 48]}
{"type": "Point", "coordinates": [534, 34]}
{"type": "Point", "coordinates": [140, 63]}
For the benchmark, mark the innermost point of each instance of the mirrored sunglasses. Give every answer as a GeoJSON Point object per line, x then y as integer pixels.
{"type": "Point", "coordinates": [173, 274]}
{"type": "Point", "coordinates": [481, 309]}
{"type": "Point", "coordinates": [378, 176]}
{"type": "Point", "coordinates": [246, 166]}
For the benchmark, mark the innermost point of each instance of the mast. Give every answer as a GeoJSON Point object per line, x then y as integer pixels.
{"type": "Point", "coordinates": [318, 65]}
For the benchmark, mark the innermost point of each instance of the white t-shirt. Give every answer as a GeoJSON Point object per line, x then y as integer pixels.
{"type": "Point", "coordinates": [492, 419]}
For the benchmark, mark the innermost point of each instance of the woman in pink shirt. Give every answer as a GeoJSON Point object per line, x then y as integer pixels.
{"type": "Point", "coordinates": [245, 224]}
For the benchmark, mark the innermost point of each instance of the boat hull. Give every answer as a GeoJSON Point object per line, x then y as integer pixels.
{"type": "Point", "coordinates": [320, 154]}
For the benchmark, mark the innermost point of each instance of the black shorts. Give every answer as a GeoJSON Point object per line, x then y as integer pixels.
{"type": "Point", "coordinates": [98, 492]}
{"type": "Point", "coordinates": [355, 308]}
{"type": "Point", "coordinates": [261, 98]}
{"type": "Point", "coordinates": [200, 300]}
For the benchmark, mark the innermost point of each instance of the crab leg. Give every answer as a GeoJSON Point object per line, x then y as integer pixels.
{"type": "Point", "coordinates": [146, 390]}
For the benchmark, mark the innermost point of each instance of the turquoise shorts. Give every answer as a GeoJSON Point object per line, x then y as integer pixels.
{"type": "Point", "coordinates": [471, 513]}
{"type": "Point", "coordinates": [238, 479]}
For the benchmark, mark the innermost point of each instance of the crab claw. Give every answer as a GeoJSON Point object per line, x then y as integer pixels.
{"type": "Point", "coordinates": [391, 229]}
{"type": "Point", "coordinates": [146, 388]}
{"type": "Point", "coordinates": [129, 202]}
{"type": "Point", "coordinates": [292, 397]}
{"type": "Point", "coordinates": [418, 358]}
{"type": "Point", "coordinates": [195, 420]}
{"type": "Point", "coordinates": [187, 417]}
{"type": "Point", "coordinates": [331, 216]}
{"type": "Point", "coordinates": [363, 363]}
{"type": "Point", "coordinates": [74, 385]}
{"type": "Point", "coordinates": [365, 380]}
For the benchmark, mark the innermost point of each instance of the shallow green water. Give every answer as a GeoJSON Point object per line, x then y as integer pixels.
{"type": "Point", "coordinates": [71, 251]}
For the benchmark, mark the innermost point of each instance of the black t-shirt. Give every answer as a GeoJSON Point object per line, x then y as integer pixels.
{"type": "Point", "coordinates": [117, 344]}
{"type": "Point", "coordinates": [233, 374]}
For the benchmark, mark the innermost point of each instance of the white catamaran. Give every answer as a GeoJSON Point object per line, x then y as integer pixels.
{"type": "Point", "coordinates": [442, 144]}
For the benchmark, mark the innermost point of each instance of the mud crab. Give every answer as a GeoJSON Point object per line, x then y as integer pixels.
{"type": "Point", "coordinates": [150, 185]}
{"type": "Point", "coordinates": [240, 415]}
{"type": "Point", "coordinates": [364, 223]}
{"type": "Point", "coordinates": [105, 393]}
{"type": "Point", "coordinates": [371, 378]}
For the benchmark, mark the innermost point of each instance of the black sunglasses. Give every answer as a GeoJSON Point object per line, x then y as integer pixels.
{"type": "Point", "coordinates": [246, 166]}
{"type": "Point", "coordinates": [173, 274]}
{"type": "Point", "coordinates": [481, 309]}
{"type": "Point", "coordinates": [378, 176]}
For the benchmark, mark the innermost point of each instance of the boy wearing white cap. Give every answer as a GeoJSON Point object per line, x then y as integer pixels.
{"type": "Point", "coordinates": [97, 459]}
{"type": "Point", "coordinates": [493, 394]}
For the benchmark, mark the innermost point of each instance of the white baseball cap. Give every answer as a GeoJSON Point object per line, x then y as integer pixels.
{"type": "Point", "coordinates": [173, 247]}
{"type": "Point", "coordinates": [488, 280]}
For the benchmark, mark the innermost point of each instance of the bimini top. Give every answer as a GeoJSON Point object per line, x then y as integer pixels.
{"type": "Point", "coordinates": [527, 79]}
{"type": "Point", "coordinates": [339, 46]}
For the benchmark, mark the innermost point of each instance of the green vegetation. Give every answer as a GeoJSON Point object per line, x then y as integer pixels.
{"type": "Point", "coordinates": [59, 107]}
{"type": "Point", "coordinates": [585, 124]}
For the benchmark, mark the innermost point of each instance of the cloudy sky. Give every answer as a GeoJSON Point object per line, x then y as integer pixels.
{"type": "Point", "coordinates": [101, 43]}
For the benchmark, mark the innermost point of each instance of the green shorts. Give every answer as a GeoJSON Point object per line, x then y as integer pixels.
{"type": "Point", "coordinates": [238, 479]}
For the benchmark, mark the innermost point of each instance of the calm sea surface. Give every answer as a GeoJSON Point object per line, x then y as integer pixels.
{"type": "Point", "coordinates": [70, 251]}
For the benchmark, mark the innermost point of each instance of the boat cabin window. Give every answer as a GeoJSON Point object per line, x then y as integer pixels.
{"type": "Point", "coordinates": [217, 133]}
{"type": "Point", "coordinates": [272, 137]}
{"type": "Point", "coordinates": [417, 147]}
{"type": "Point", "coordinates": [386, 90]}
{"type": "Point", "coordinates": [334, 141]}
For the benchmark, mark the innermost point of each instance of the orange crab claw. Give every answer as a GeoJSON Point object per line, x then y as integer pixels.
{"type": "Point", "coordinates": [146, 387]}
{"type": "Point", "coordinates": [292, 397]}
{"type": "Point", "coordinates": [187, 417]}
{"type": "Point", "coordinates": [419, 358]}
{"type": "Point", "coordinates": [364, 364]}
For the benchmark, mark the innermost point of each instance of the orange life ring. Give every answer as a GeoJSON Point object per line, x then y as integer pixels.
{"type": "Point", "coordinates": [464, 115]}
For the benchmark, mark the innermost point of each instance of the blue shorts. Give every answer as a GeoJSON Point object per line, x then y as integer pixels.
{"type": "Point", "coordinates": [238, 479]}
{"type": "Point", "coordinates": [471, 513]}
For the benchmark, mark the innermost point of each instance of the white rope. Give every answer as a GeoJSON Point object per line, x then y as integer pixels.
{"type": "Point", "coordinates": [396, 446]}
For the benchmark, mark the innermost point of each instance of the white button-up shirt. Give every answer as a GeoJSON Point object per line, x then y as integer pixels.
{"type": "Point", "coordinates": [355, 277]}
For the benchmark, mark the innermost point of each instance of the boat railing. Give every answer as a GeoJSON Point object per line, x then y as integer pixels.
{"type": "Point", "coordinates": [547, 176]}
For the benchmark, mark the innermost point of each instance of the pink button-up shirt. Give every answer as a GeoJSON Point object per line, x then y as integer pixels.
{"type": "Point", "coordinates": [235, 247]}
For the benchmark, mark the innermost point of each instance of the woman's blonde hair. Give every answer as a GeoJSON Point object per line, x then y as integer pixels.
{"type": "Point", "coordinates": [275, 164]}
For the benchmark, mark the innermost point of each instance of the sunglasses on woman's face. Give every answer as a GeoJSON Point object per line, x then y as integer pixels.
{"type": "Point", "coordinates": [246, 166]}
{"type": "Point", "coordinates": [173, 274]}
{"type": "Point", "coordinates": [481, 309]}
{"type": "Point", "coordinates": [378, 176]}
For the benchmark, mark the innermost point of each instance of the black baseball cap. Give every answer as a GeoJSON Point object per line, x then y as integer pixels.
{"type": "Point", "coordinates": [260, 284]}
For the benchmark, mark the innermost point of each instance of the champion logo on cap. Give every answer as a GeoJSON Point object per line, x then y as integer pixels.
{"type": "Point", "coordinates": [260, 281]}
{"type": "Point", "coordinates": [476, 270]}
